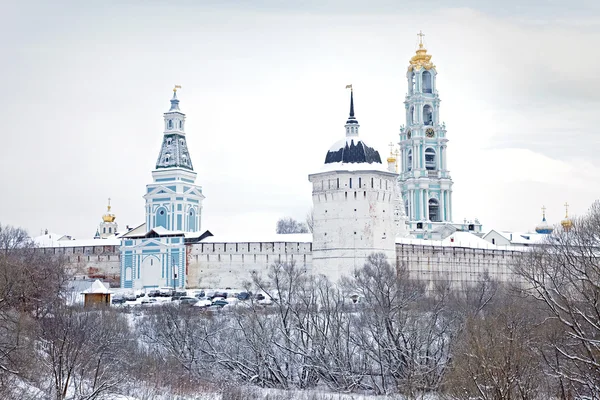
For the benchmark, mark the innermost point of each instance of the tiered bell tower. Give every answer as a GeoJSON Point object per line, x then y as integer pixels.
{"type": "Point", "coordinates": [424, 177]}
{"type": "Point", "coordinates": [174, 201]}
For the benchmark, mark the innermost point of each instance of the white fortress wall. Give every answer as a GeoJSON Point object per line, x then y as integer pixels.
{"type": "Point", "coordinates": [231, 264]}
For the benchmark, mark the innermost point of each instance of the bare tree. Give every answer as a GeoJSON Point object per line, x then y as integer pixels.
{"type": "Point", "coordinates": [290, 225]}
{"type": "Point", "coordinates": [496, 356]}
{"type": "Point", "coordinates": [310, 219]}
{"type": "Point", "coordinates": [31, 283]}
{"type": "Point", "coordinates": [564, 275]}
{"type": "Point", "coordinates": [85, 352]}
{"type": "Point", "coordinates": [405, 335]}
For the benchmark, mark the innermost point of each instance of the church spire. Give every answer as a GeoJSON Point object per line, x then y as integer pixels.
{"type": "Point", "coordinates": [174, 152]}
{"type": "Point", "coordinates": [351, 124]}
{"type": "Point", "coordinates": [175, 100]}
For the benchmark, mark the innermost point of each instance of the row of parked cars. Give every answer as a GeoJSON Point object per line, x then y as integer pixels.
{"type": "Point", "coordinates": [198, 298]}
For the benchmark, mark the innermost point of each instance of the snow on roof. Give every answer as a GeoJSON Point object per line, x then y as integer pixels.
{"type": "Point", "coordinates": [457, 239]}
{"type": "Point", "coordinates": [97, 287]}
{"type": "Point", "coordinates": [137, 231]}
{"type": "Point", "coordinates": [55, 240]}
{"type": "Point", "coordinates": [521, 237]}
{"type": "Point", "coordinates": [340, 166]}
{"type": "Point", "coordinates": [264, 238]}
{"type": "Point", "coordinates": [161, 231]}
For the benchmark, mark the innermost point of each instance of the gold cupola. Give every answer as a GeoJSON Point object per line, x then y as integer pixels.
{"type": "Point", "coordinates": [421, 59]}
{"type": "Point", "coordinates": [567, 223]}
{"type": "Point", "coordinates": [108, 217]}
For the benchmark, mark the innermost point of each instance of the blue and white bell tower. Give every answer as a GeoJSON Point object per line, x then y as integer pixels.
{"type": "Point", "coordinates": [154, 254]}
{"type": "Point", "coordinates": [425, 180]}
{"type": "Point", "coordinates": [173, 200]}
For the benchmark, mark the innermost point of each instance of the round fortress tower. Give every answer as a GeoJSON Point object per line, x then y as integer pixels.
{"type": "Point", "coordinates": [354, 198]}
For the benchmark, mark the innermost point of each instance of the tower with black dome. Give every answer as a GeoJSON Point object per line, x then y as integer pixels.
{"type": "Point", "coordinates": [354, 196]}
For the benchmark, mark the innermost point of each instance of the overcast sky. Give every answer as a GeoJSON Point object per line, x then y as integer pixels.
{"type": "Point", "coordinates": [84, 86]}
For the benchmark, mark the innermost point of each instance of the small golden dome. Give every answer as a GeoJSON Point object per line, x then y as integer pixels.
{"type": "Point", "coordinates": [391, 159]}
{"type": "Point", "coordinates": [108, 217]}
{"type": "Point", "coordinates": [421, 59]}
{"type": "Point", "coordinates": [566, 223]}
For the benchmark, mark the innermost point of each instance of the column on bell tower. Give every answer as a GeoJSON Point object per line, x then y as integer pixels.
{"type": "Point", "coordinates": [424, 177]}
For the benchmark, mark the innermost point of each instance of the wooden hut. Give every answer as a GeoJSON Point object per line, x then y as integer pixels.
{"type": "Point", "coordinates": [96, 295]}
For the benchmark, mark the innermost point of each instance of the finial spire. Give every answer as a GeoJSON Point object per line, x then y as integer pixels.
{"type": "Point", "coordinates": [420, 35]}
{"type": "Point", "coordinates": [108, 208]}
{"type": "Point", "coordinates": [351, 100]}
{"type": "Point", "coordinates": [566, 209]}
{"type": "Point", "coordinates": [174, 100]}
{"type": "Point", "coordinates": [543, 213]}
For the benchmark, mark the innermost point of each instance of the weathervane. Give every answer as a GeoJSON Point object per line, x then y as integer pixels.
{"type": "Point", "coordinates": [176, 87]}
{"type": "Point", "coordinates": [349, 87]}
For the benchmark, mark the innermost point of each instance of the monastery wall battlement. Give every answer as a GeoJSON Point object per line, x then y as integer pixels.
{"type": "Point", "coordinates": [232, 264]}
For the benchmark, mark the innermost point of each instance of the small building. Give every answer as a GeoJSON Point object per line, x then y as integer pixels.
{"type": "Point", "coordinates": [96, 295]}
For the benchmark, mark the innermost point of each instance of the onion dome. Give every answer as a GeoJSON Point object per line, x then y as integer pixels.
{"type": "Point", "coordinates": [567, 223]}
{"type": "Point", "coordinates": [108, 217]}
{"type": "Point", "coordinates": [543, 227]}
{"type": "Point", "coordinates": [421, 59]}
{"type": "Point", "coordinates": [352, 150]}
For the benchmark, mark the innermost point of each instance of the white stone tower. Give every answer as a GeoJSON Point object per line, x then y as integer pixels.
{"type": "Point", "coordinates": [108, 227]}
{"type": "Point", "coordinates": [353, 205]}
{"type": "Point", "coordinates": [174, 201]}
{"type": "Point", "coordinates": [424, 177]}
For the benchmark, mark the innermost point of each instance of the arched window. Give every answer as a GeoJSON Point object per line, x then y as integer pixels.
{"type": "Point", "coordinates": [434, 210]}
{"type": "Point", "coordinates": [167, 158]}
{"type": "Point", "coordinates": [161, 217]}
{"type": "Point", "coordinates": [170, 124]}
{"type": "Point", "coordinates": [406, 208]}
{"type": "Point", "coordinates": [412, 115]}
{"type": "Point", "coordinates": [426, 82]}
{"type": "Point", "coordinates": [413, 83]}
{"type": "Point", "coordinates": [427, 115]}
{"type": "Point", "coordinates": [180, 124]}
{"type": "Point", "coordinates": [430, 159]}
{"type": "Point", "coordinates": [409, 161]}
{"type": "Point", "coordinates": [192, 221]}
{"type": "Point", "coordinates": [168, 142]}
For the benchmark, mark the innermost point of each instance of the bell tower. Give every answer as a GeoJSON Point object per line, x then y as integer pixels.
{"type": "Point", "coordinates": [424, 178]}
{"type": "Point", "coordinates": [173, 200]}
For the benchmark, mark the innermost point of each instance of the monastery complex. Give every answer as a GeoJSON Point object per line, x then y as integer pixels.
{"type": "Point", "coordinates": [400, 206]}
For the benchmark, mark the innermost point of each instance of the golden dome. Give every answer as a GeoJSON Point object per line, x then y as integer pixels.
{"type": "Point", "coordinates": [421, 59]}
{"type": "Point", "coordinates": [108, 217]}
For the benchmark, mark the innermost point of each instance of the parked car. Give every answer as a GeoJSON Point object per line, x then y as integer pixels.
{"type": "Point", "coordinates": [200, 294]}
{"type": "Point", "coordinates": [118, 300]}
{"type": "Point", "coordinates": [130, 297]}
{"type": "Point", "coordinates": [221, 294]}
{"type": "Point", "coordinates": [188, 300]}
{"type": "Point", "coordinates": [220, 303]}
{"type": "Point", "coordinates": [210, 295]}
{"type": "Point", "coordinates": [244, 295]}
{"type": "Point", "coordinates": [166, 291]}
{"type": "Point", "coordinates": [153, 293]}
{"type": "Point", "coordinates": [149, 301]}
{"type": "Point", "coordinates": [259, 296]}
